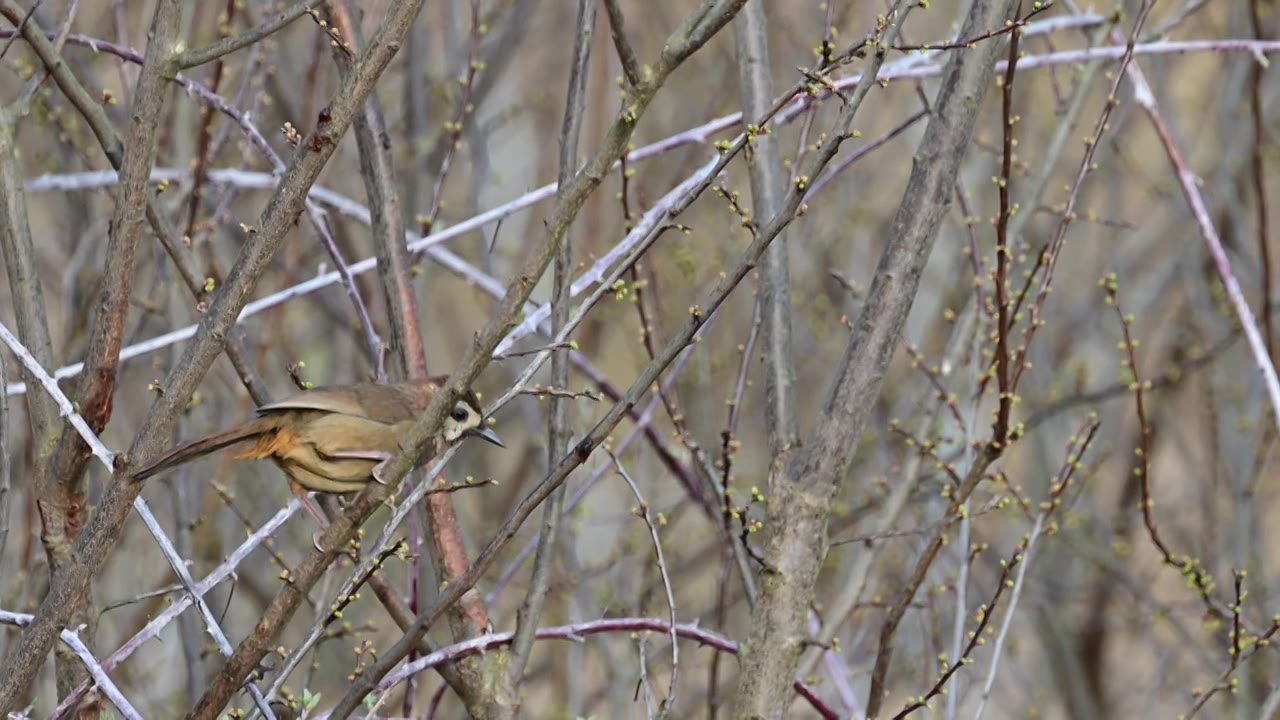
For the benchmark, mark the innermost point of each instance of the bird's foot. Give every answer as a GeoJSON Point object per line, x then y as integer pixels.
{"type": "Point", "coordinates": [378, 471]}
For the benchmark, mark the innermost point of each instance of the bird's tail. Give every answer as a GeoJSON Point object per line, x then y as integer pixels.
{"type": "Point", "coordinates": [197, 448]}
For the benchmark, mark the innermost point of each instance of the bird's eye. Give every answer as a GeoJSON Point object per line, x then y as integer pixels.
{"type": "Point", "coordinates": [460, 413]}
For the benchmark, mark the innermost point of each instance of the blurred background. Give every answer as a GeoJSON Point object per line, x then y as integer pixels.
{"type": "Point", "coordinates": [1103, 626]}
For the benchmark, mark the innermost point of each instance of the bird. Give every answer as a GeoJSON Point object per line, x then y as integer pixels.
{"type": "Point", "coordinates": [335, 438]}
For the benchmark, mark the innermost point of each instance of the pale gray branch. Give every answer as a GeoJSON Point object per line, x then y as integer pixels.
{"type": "Point", "coordinates": [506, 700]}
{"type": "Point", "coordinates": [768, 180]}
{"type": "Point", "coordinates": [96, 670]}
{"type": "Point", "coordinates": [800, 491]}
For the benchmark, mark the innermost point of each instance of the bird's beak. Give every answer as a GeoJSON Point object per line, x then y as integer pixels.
{"type": "Point", "coordinates": [488, 435]}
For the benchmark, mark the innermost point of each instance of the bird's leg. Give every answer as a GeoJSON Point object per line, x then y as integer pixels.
{"type": "Point", "coordinates": [313, 510]}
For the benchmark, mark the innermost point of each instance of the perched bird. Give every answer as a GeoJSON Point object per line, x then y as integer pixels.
{"type": "Point", "coordinates": [335, 439]}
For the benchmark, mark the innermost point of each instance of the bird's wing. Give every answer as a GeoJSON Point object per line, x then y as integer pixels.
{"type": "Point", "coordinates": [373, 401]}
{"type": "Point", "coordinates": [337, 399]}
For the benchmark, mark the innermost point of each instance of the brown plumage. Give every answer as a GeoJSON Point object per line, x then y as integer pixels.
{"type": "Point", "coordinates": [334, 439]}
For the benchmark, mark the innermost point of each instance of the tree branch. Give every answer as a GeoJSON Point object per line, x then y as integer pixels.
{"type": "Point", "coordinates": [5, 434]}
{"type": "Point", "coordinates": [60, 480]}
{"type": "Point", "coordinates": [506, 700]}
{"type": "Point", "coordinates": [768, 178]}
{"type": "Point", "coordinates": [278, 218]}
{"type": "Point", "coordinates": [698, 317]}
{"type": "Point", "coordinates": [91, 664]}
{"type": "Point", "coordinates": [199, 56]}
{"type": "Point", "coordinates": [618, 30]}
{"type": "Point", "coordinates": [575, 633]}
{"type": "Point", "coordinates": [408, 354]}
{"type": "Point", "coordinates": [152, 629]}
{"type": "Point", "coordinates": [804, 481]}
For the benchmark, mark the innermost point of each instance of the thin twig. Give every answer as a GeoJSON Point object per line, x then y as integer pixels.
{"type": "Point", "coordinates": [698, 135]}
{"type": "Point", "coordinates": [551, 392]}
{"type": "Point", "coordinates": [1261, 198]}
{"type": "Point", "coordinates": [1010, 27]}
{"type": "Point", "coordinates": [529, 614]}
{"type": "Point", "coordinates": [1223, 682]}
{"type": "Point", "coordinates": [1189, 183]}
{"type": "Point", "coordinates": [287, 203]}
{"type": "Point", "coordinates": [452, 134]}
{"type": "Point", "coordinates": [20, 26]}
{"type": "Point", "coordinates": [575, 633]}
{"type": "Point", "coordinates": [227, 45]}
{"type": "Point", "coordinates": [618, 31]}
{"type": "Point", "coordinates": [643, 511]}
{"type": "Point", "coordinates": [157, 624]}
{"type": "Point", "coordinates": [68, 411]}
{"type": "Point", "coordinates": [5, 434]}
{"type": "Point", "coordinates": [566, 345]}
{"type": "Point", "coordinates": [95, 668]}
{"type": "Point", "coordinates": [768, 181]}
{"type": "Point", "coordinates": [1196, 573]}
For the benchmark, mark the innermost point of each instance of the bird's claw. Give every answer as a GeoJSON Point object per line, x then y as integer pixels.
{"type": "Point", "coordinates": [377, 472]}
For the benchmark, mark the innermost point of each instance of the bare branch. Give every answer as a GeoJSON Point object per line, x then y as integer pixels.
{"type": "Point", "coordinates": [278, 218]}
{"type": "Point", "coordinates": [95, 391]}
{"type": "Point", "coordinates": [67, 410]}
{"type": "Point", "coordinates": [575, 633]}
{"type": "Point", "coordinates": [56, 513]}
{"type": "Point", "coordinates": [805, 480]}
{"type": "Point", "coordinates": [618, 30]}
{"type": "Point", "coordinates": [387, 222]}
{"type": "Point", "coordinates": [25, 285]}
{"type": "Point", "coordinates": [199, 56]}
{"type": "Point", "coordinates": [768, 179]}
{"type": "Point", "coordinates": [643, 511]}
{"type": "Point", "coordinates": [153, 628]}
{"type": "Point", "coordinates": [505, 701]}
{"type": "Point", "coordinates": [5, 434]}
{"type": "Point", "coordinates": [91, 664]}
{"type": "Point", "coordinates": [108, 458]}
{"type": "Point", "coordinates": [1189, 183]}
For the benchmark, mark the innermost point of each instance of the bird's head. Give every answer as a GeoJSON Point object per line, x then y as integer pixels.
{"type": "Point", "coordinates": [467, 420]}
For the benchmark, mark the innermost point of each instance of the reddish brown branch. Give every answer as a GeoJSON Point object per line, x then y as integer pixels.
{"type": "Point", "coordinates": [1000, 432]}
